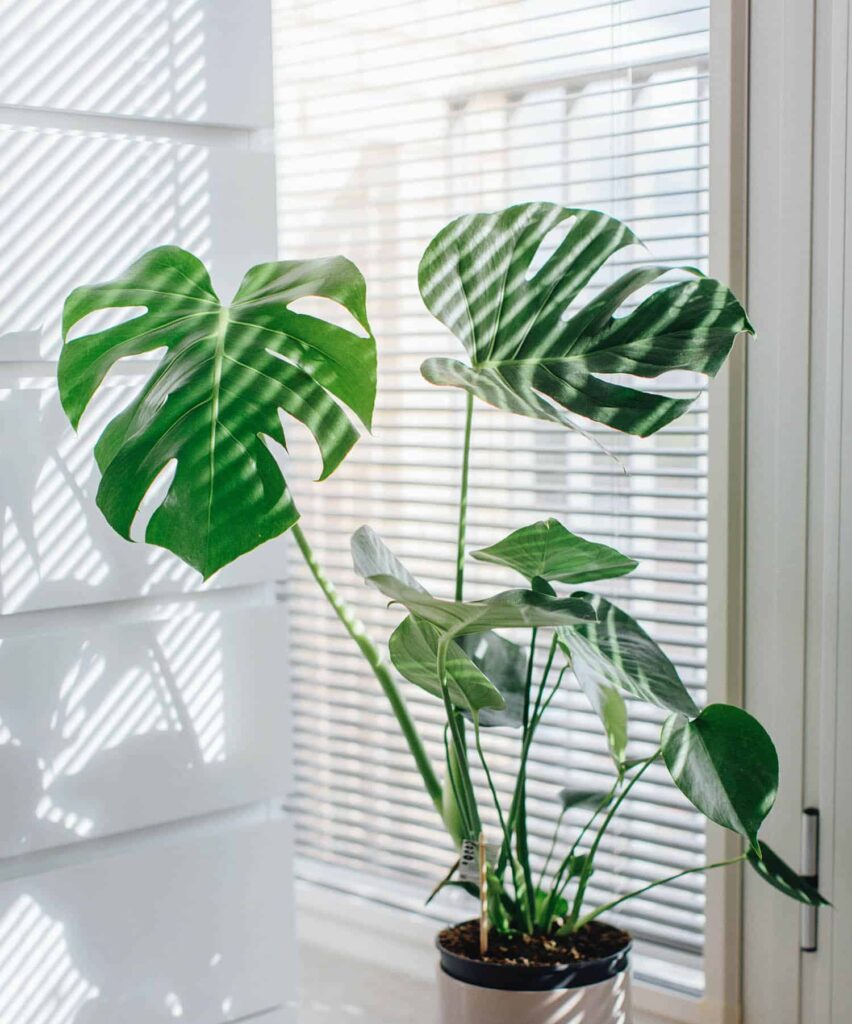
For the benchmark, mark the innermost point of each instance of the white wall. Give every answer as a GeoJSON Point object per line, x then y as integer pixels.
{"type": "Point", "coordinates": [144, 858]}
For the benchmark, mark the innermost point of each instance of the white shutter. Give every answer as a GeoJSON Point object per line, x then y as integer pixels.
{"type": "Point", "coordinates": [392, 118]}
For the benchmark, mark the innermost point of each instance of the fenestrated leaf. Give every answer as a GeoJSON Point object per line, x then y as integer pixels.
{"type": "Point", "coordinates": [528, 358]}
{"type": "Point", "coordinates": [413, 649]}
{"type": "Point", "coordinates": [615, 651]}
{"type": "Point", "coordinates": [548, 551]}
{"type": "Point", "coordinates": [217, 393]}
{"type": "Point", "coordinates": [725, 764]}
{"type": "Point", "coordinates": [592, 798]}
{"type": "Point", "coordinates": [774, 870]}
{"type": "Point", "coordinates": [505, 664]}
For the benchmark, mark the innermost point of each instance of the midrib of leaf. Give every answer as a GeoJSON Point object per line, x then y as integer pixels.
{"type": "Point", "coordinates": [218, 358]}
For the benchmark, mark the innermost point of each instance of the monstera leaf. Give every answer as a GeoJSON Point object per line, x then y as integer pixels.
{"type": "Point", "coordinates": [615, 652]}
{"type": "Point", "coordinates": [509, 609]}
{"type": "Point", "coordinates": [413, 648]}
{"type": "Point", "coordinates": [547, 551]}
{"type": "Point", "coordinates": [725, 764]}
{"type": "Point", "coordinates": [215, 397]}
{"type": "Point", "coordinates": [779, 874]}
{"type": "Point", "coordinates": [528, 358]}
{"type": "Point", "coordinates": [505, 664]}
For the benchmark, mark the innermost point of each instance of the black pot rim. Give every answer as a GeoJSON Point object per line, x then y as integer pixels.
{"type": "Point", "coordinates": [530, 978]}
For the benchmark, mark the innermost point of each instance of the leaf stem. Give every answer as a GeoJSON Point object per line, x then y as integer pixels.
{"type": "Point", "coordinates": [662, 881]}
{"type": "Point", "coordinates": [465, 478]}
{"type": "Point", "coordinates": [356, 629]}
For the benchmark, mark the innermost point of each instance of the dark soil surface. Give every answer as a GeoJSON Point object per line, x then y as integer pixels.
{"type": "Point", "coordinates": [592, 942]}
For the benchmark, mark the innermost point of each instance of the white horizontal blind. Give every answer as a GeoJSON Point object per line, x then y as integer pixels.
{"type": "Point", "coordinates": [393, 117]}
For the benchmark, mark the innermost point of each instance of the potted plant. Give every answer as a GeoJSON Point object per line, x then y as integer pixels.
{"type": "Point", "coordinates": [535, 950]}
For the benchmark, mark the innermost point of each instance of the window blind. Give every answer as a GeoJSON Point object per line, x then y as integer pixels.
{"type": "Point", "coordinates": [392, 118]}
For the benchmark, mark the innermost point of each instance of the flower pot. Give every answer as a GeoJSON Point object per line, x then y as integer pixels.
{"type": "Point", "coordinates": [488, 992]}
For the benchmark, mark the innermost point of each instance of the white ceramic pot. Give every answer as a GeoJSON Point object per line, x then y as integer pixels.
{"type": "Point", "coordinates": [596, 992]}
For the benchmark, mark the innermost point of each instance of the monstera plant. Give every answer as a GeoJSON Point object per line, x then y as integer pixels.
{"type": "Point", "coordinates": [212, 406]}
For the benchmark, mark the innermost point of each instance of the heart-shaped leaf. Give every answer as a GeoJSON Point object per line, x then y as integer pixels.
{"type": "Point", "coordinates": [616, 652]}
{"type": "Point", "coordinates": [773, 869]}
{"type": "Point", "coordinates": [217, 393]}
{"type": "Point", "coordinates": [725, 764]}
{"type": "Point", "coordinates": [546, 550]}
{"type": "Point", "coordinates": [413, 648]}
{"type": "Point", "coordinates": [528, 358]}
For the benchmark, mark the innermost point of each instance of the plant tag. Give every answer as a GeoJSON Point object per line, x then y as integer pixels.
{"type": "Point", "coordinates": [468, 870]}
{"type": "Point", "coordinates": [469, 862]}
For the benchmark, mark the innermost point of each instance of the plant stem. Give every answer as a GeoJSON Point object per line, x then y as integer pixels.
{"type": "Point", "coordinates": [552, 849]}
{"type": "Point", "coordinates": [355, 628]}
{"type": "Point", "coordinates": [521, 812]}
{"type": "Point", "coordinates": [456, 724]}
{"type": "Point", "coordinates": [663, 881]}
{"type": "Point", "coordinates": [465, 477]}
{"type": "Point", "coordinates": [587, 870]}
{"type": "Point", "coordinates": [507, 839]}
{"type": "Point", "coordinates": [560, 879]}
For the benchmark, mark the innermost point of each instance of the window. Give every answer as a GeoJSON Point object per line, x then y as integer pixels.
{"type": "Point", "coordinates": [392, 118]}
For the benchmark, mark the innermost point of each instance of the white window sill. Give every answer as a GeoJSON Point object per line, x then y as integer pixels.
{"type": "Point", "coordinates": [361, 961]}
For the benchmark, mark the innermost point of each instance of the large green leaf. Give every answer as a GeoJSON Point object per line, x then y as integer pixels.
{"type": "Point", "coordinates": [413, 648]}
{"type": "Point", "coordinates": [725, 764]}
{"type": "Point", "coordinates": [528, 357]}
{"type": "Point", "coordinates": [216, 394]}
{"type": "Point", "coordinates": [775, 871]}
{"type": "Point", "coordinates": [615, 651]}
{"type": "Point", "coordinates": [549, 551]}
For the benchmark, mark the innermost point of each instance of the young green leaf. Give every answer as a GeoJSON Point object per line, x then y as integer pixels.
{"type": "Point", "coordinates": [413, 648]}
{"type": "Point", "coordinates": [372, 557]}
{"type": "Point", "coordinates": [591, 798]}
{"type": "Point", "coordinates": [508, 609]}
{"type": "Point", "coordinates": [505, 664]}
{"type": "Point", "coordinates": [615, 651]}
{"type": "Point", "coordinates": [526, 357]}
{"type": "Point", "coordinates": [226, 374]}
{"type": "Point", "coordinates": [605, 697]}
{"type": "Point", "coordinates": [380, 567]}
{"type": "Point", "coordinates": [773, 869]}
{"type": "Point", "coordinates": [547, 550]}
{"type": "Point", "coordinates": [725, 764]}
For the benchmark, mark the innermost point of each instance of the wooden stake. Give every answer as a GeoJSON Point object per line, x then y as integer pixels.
{"type": "Point", "coordinates": [483, 896]}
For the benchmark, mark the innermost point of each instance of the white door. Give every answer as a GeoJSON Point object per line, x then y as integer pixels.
{"type": "Point", "coordinates": [798, 563]}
